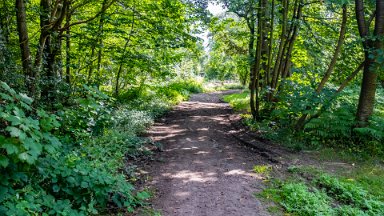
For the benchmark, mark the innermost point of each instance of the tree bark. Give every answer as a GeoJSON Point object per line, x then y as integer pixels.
{"type": "Point", "coordinates": [252, 81]}
{"type": "Point", "coordinates": [371, 66]}
{"type": "Point", "coordinates": [100, 42]}
{"type": "Point", "coordinates": [268, 72]}
{"type": "Point", "coordinates": [294, 29]}
{"type": "Point", "coordinates": [258, 57]}
{"type": "Point", "coordinates": [68, 47]}
{"type": "Point", "coordinates": [24, 46]}
{"type": "Point", "coordinates": [283, 36]}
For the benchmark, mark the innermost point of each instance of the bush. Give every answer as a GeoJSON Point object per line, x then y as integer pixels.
{"type": "Point", "coordinates": [80, 178]}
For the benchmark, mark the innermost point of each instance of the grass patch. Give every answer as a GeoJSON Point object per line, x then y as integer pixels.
{"type": "Point", "coordinates": [308, 191]}
{"type": "Point", "coordinates": [213, 86]}
{"type": "Point", "coordinates": [239, 101]}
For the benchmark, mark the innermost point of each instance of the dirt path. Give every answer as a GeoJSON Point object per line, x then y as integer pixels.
{"type": "Point", "coordinates": [203, 169]}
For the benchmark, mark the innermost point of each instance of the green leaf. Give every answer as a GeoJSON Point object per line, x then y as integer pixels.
{"type": "Point", "coordinates": [6, 87]}
{"type": "Point", "coordinates": [143, 195]}
{"type": "Point", "coordinates": [6, 97]}
{"type": "Point", "coordinates": [15, 120]}
{"type": "Point", "coordinates": [19, 112]}
{"type": "Point", "coordinates": [84, 184]}
{"type": "Point", "coordinates": [25, 98]}
{"type": "Point", "coordinates": [16, 132]}
{"type": "Point", "coordinates": [4, 161]}
{"type": "Point", "coordinates": [27, 157]}
{"type": "Point", "coordinates": [56, 188]}
{"type": "Point", "coordinates": [10, 148]}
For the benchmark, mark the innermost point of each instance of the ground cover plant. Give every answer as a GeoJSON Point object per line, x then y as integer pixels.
{"type": "Point", "coordinates": [309, 191]}
{"type": "Point", "coordinates": [72, 162]}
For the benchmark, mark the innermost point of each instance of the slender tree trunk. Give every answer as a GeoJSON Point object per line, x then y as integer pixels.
{"type": "Point", "coordinates": [100, 42]}
{"type": "Point", "coordinates": [340, 42]}
{"type": "Point", "coordinates": [258, 57]}
{"type": "Point", "coordinates": [302, 120]}
{"type": "Point", "coordinates": [90, 70]}
{"type": "Point", "coordinates": [24, 45]}
{"type": "Point", "coordinates": [283, 36]}
{"type": "Point", "coordinates": [350, 77]}
{"type": "Point", "coordinates": [68, 47]}
{"type": "Point", "coordinates": [266, 25]}
{"type": "Point", "coordinates": [252, 81]}
{"type": "Point", "coordinates": [341, 88]}
{"type": "Point", "coordinates": [291, 41]}
{"type": "Point", "coordinates": [268, 72]}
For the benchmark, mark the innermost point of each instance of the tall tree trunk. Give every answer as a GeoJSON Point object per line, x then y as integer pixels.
{"type": "Point", "coordinates": [24, 45]}
{"type": "Point", "coordinates": [295, 28]}
{"type": "Point", "coordinates": [283, 36]}
{"type": "Point", "coordinates": [68, 47]}
{"type": "Point", "coordinates": [100, 42]}
{"type": "Point", "coordinates": [258, 57]}
{"type": "Point", "coordinates": [266, 25]}
{"type": "Point", "coordinates": [268, 72]}
{"type": "Point", "coordinates": [90, 69]}
{"type": "Point", "coordinates": [252, 74]}
{"type": "Point", "coordinates": [372, 66]}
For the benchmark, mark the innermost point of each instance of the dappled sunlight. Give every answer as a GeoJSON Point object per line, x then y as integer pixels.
{"type": "Point", "coordinates": [182, 194]}
{"type": "Point", "coordinates": [189, 176]}
{"type": "Point", "coordinates": [240, 172]}
{"type": "Point", "coordinates": [190, 148]}
{"type": "Point", "coordinates": [201, 152]}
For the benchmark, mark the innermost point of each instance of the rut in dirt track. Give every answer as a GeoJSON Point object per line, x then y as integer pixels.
{"type": "Point", "coordinates": [203, 169]}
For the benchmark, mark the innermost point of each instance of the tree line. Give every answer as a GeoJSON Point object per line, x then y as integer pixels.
{"type": "Point", "coordinates": [326, 42]}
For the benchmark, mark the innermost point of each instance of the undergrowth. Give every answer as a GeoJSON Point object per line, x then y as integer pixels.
{"type": "Point", "coordinates": [73, 161]}
{"type": "Point", "coordinates": [334, 128]}
{"type": "Point", "coordinates": [313, 192]}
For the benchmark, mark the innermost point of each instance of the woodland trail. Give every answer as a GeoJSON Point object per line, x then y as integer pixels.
{"type": "Point", "coordinates": [204, 170]}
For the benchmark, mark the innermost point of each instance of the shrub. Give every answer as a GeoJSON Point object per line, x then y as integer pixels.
{"type": "Point", "coordinates": [37, 178]}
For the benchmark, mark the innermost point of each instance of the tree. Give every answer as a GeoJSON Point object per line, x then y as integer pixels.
{"type": "Point", "coordinates": [373, 64]}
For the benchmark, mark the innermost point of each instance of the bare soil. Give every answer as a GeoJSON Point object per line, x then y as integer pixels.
{"type": "Point", "coordinates": [203, 168]}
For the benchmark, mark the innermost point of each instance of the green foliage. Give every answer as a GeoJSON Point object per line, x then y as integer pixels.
{"type": "Point", "coordinates": [180, 90]}
{"type": "Point", "coordinates": [81, 178]}
{"type": "Point", "coordinates": [335, 126]}
{"type": "Point", "coordinates": [24, 134]}
{"type": "Point", "coordinates": [350, 194]}
{"type": "Point", "coordinates": [239, 102]}
{"type": "Point", "coordinates": [315, 193]}
{"type": "Point", "coordinates": [297, 198]}
{"type": "Point", "coordinates": [89, 115]}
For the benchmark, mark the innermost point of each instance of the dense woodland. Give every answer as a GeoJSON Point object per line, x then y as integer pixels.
{"type": "Point", "coordinates": [314, 68]}
{"type": "Point", "coordinates": [81, 81]}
